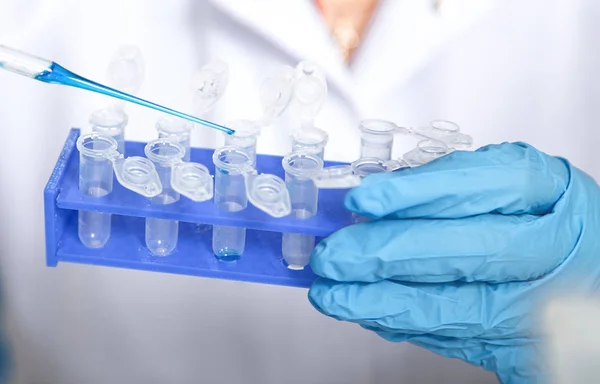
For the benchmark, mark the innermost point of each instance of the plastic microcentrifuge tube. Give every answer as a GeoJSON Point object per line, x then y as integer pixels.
{"type": "Point", "coordinates": [95, 179]}
{"type": "Point", "coordinates": [245, 137]}
{"type": "Point", "coordinates": [125, 73]}
{"type": "Point", "coordinates": [231, 164]}
{"type": "Point", "coordinates": [177, 130]}
{"type": "Point", "coordinates": [309, 139]}
{"type": "Point", "coordinates": [426, 151]}
{"type": "Point", "coordinates": [161, 234]}
{"type": "Point", "coordinates": [236, 184]}
{"type": "Point", "coordinates": [98, 161]}
{"type": "Point", "coordinates": [111, 122]}
{"type": "Point", "coordinates": [192, 180]}
{"type": "Point", "coordinates": [209, 85]}
{"type": "Point", "coordinates": [299, 168]}
{"type": "Point", "coordinates": [377, 139]}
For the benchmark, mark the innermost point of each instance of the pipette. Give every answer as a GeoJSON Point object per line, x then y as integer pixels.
{"type": "Point", "coordinates": [50, 72]}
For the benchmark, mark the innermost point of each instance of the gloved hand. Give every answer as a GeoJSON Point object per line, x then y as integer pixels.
{"type": "Point", "coordinates": [463, 254]}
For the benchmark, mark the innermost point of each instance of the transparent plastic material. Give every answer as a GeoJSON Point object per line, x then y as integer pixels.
{"type": "Point", "coordinates": [369, 166]}
{"type": "Point", "coordinates": [337, 177]}
{"type": "Point", "coordinates": [192, 180]}
{"type": "Point", "coordinates": [366, 167]}
{"type": "Point", "coordinates": [209, 85]}
{"type": "Point", "coordinates": [426, 151]}
{"type": "Point", "coordinates": [269, 194]}
{"type": "Point", "coordinates": [126, 70]}
{"type": "Point", "coordinates": [350, 176]}
{"type": "Point", "coordinates": [377, 136]}
{"type": "Point", "coordinates": [276, 93]}
{"type": "Point", "coordinates": [22, 63]}
{"type": "Point", "coordinates": [135, 173]}
{"type": "Point", "coordinates": [99, 160]}
{"type": "Point", "coordinates": [299, 168]}
{"type": "Point", "coordinates": [310, 91]}
{"type": "Point", "coordinates": [245, 137]}
{"type": "Point", "coordinates": [377, 139]}
{"type": "Point", "coordinates": [309, 139]}
{"type": "Point", "coordinates": [446, 132]}
{"type": "Point", "coordinates": [95, 179]}
{"type": "Point", "coordinates": [231, 166]}
{"type": "Point", "coordinates": [161, 235]}
{"type": "Point", "coordinates": [110, 122]}
{"type": "Point", "coordinates": [177, 130]}
{"type": "Point", "coordinates": [236, 184]}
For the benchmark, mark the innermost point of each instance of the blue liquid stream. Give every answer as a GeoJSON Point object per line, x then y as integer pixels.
{"type": "Point", "coordinates": [56, 74]}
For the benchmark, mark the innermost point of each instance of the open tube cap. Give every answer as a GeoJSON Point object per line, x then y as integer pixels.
{"type": "Point", "coordinates": [446, 132]}
{"type": "Point", "coordinates": [426, 151]}
{"type": "Point", "coordinates": [269, 194]}
{"type": "Point", "coordinates": [126, 70]}
{"type": "Point", "coordinates": [378, 127]}
{"type": "Point", "coordinates": [138, 174]}
{"type": "Point", "coordinates": [336, 177]}
{"type": "Point", "coordinates": [310, 90]}
{"type": "Point", "coordinates": [276, 92]}
{"type": "Point", "coordinates": [209, 84]}
{"type": "Point", "coordinates": [192, 180]}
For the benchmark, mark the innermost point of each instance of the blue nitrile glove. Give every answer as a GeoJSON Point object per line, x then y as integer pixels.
{"type": "Point", "coordinates": [467, 251]}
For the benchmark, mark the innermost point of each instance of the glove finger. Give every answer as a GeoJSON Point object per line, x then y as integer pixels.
{"type": "Point", "coordinates": [449, 310]}
{"type": "Point", "coordinates": [492, 248]}
{"type": "Point", "coordinates": [508, 358]}
{"type": "Point", "coordinates": [505, 178]}
{"type": "Point", "coordinates": [472, 351]}
{"type": "Point", "coordinates": [512, 360]}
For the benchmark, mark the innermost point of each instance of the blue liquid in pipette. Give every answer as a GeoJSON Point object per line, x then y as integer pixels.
{"type": "Point", "coordinates": [57, 74]}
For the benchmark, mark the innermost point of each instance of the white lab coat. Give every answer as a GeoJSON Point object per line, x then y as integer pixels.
{"type": "Point", "coordinates": [504, 70]}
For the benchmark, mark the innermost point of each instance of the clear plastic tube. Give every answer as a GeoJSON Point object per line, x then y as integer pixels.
{"type": "Point", "coordinates": [309, 139]}
{"type": "Point", "coordinates": [231, 167]}
{"type": "Point", "coordinates": [426, 151]}
{"type": "Point", "coordinates": [161, 234]}
{"type": "Point", "coordinates": [177, 130]}
{"type": "Point", "coordinates": [95, 179]}
{"type": "Point", "coordinates": [377, 139]}
{"type": "Point", "coordinates": [245, 137]}
{"type": "Point", "coordinates": [110, 122]}
{"type": "Point", "coordinates": [299, 168]}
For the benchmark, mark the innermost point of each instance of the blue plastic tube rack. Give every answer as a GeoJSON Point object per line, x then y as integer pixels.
{"type": "Point", "coordinates": [261, 262]}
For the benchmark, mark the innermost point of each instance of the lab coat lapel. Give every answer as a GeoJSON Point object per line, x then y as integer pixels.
{"type": "Point", "coordinates": [408, 35]}
{"type": "Point", "coordinates": [296, 28]}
